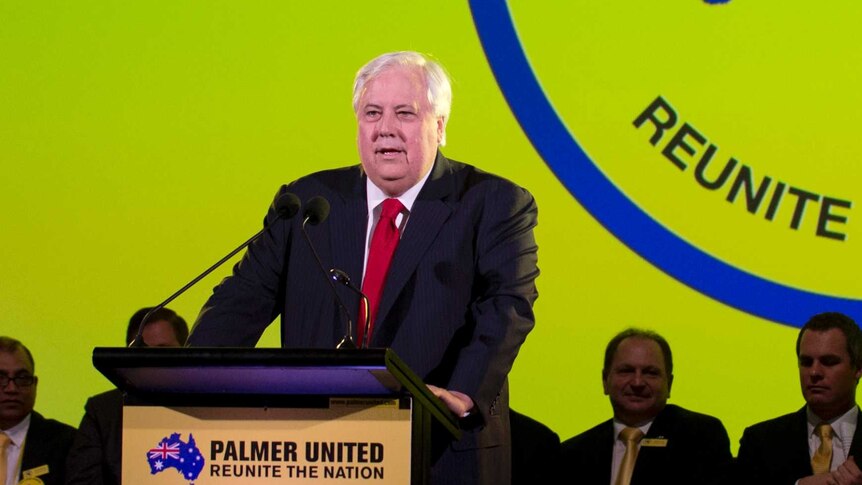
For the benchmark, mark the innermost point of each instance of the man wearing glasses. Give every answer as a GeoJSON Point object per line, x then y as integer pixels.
{"type": "Point", "coordinates": [31, 447]}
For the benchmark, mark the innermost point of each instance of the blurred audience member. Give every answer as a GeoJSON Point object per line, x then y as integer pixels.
{"type": "Point", "coordinates": [820, 443]}
{"type": "Point", "coordinates": [96, 454]}
{"type": "Point", "coordinates": [31, 447]}
{"type": "Point", "coordinates": [535, 451]}
{"type": "Point", "coordinates": [648, 441]}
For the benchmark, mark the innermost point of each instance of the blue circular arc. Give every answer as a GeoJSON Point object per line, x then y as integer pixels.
{"type": "Point", "coordinates": [619, 215]}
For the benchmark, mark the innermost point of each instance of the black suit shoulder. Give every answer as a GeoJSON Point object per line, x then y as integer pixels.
{"type": "Point", "coordinates": [95, 456]}
{"type": "Point", "coordinates": [47, 443]}
{"type": "Point", "coordinates": [687, 422]}
{"type": "Point", "coordinates": [590, 453]}
{"type": "Point", "coordinates": [599, 433]}
{"type": "Point", "coordinates": [106, 400]}
{"type": "Point", "coordinates": [332, 181]}
{"type": "Point", "coordinates": [783, 425]}
{"type": "Point", "coordinates": [535, 450]}
{"type": "Point", "coordinates": [775, 452]}
{"type": "Point", "coordinates": [467, 180]}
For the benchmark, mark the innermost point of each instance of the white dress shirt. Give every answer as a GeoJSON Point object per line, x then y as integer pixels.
{"type": "Point", "coordinates": [844, 427]}
{"type": "Point", "coordinates": [375, 198]}
{"type": "Point", "coordinates": [16, 434]}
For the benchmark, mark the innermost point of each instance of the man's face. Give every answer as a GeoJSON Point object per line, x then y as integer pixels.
{"type": "Point", "coordinates": [15, 402]}
{"type": "Point", "coordinates": [637, 381]}
{"type": "Point", "coordinates": [826, 374]}
{"type": "Point", "coordinates": [160, 334]}
{"type": "Point", "coordinates": [398, 133]}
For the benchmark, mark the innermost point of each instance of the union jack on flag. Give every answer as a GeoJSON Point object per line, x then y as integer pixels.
{"type": "Point", "coordinates": [166, 450]}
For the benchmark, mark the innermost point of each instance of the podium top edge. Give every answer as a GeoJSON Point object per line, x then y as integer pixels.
{"type": "Point", "coordinates": [240, 356]}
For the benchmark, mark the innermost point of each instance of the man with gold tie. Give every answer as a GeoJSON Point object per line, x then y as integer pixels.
{"type": "Point", "coordinates": [648, 441]}
{"type": "Point", "coordinates": [817, 444]}
{"type": "Point", "coordinates": [32, 448]}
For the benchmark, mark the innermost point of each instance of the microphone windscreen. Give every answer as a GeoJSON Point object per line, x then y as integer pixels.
{"type": "Point", "coordinates": [287, 205]}
{"type": "Point", "coordinates": [316, 210]}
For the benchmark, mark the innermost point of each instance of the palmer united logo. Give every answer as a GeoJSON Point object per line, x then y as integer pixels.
{"type": "Point", "coordinates": [173, 453]}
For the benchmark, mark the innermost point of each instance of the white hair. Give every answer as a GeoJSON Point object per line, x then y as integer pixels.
{"type": "Point", "coordinates": [439, 87]}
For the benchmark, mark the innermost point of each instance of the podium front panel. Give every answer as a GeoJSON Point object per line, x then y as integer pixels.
{"type": "Point", "coordinates": [350, 440]}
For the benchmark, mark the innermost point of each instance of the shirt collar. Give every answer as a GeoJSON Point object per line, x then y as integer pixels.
{"type": "Point", "coordinates": [376, 196]}
{"type": "Point", "coordinates": [844, 425]}
{"type": "Point", "coordinates": [18, 432]}
{"type": "Point", "coordinates": [619, 426]}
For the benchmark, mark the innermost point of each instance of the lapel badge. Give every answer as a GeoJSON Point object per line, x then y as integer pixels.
{"type": "Point", "coordinates": [659, 442]}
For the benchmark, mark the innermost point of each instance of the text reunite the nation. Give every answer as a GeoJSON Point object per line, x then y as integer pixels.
{"type": "Point", "coordinates": [277, 459]}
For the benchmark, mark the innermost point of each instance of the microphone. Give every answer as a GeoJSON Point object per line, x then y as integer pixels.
{"type": "Point", "coordinates": [286, 206]}
{"type": "Point", "coordinates": [316, 211]}
{"type": "Point", "coordinates": [341, 277]}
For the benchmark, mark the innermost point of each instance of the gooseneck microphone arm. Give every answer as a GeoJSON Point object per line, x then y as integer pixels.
{"type": "Point", "coordinates": [316, 211]}
{"type": "Point", "coordinates": [286, 206]}
{"type": "Point", "coordinates": [342, 277]}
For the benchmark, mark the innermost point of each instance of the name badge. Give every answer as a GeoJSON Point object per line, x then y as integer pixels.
{"type": "Point", "coordinates": [35, 472]}
{"type": "Point", "coordinates": [654, 442]}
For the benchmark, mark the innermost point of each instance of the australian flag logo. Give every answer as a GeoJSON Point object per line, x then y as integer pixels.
{"type": "Point", "coordinates": [174, 453]}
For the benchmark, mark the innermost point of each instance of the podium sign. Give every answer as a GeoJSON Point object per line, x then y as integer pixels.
{"type": "Point", "coordinates": [352, 440]}
{"type": "Point", "coordinates": [232, 416]}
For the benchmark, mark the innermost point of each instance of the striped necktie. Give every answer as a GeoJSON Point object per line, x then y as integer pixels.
{"type": "Point", "coordinates": [821, 462]}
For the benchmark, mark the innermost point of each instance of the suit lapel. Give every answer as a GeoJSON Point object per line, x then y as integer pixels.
{"type": "Point", "coordinates": [348, 227]}
{"type": "Point", "coordinates": [605, 455]}
{"type": "Point", "coordinates": [652, 460]}
{"type": "Point", "coordinates": [800, 455]}
{"type": "Point", "coordinates": [33, 445]}
{"type": "Point", "coordinates": [429, 214]}
{"type": "Point", "coordinates": [856, 444]}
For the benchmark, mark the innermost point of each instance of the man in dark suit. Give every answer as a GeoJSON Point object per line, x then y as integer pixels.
{"type": "Point", "coordinates": [96, 454]}
{"type": "Point", "coordinates": [820, 443]}
{"type": "Point", "coordinates": [669, 445]}
{"type": "Point", "coordinates": [44, 442]}
{"type": "Point", "coordinates": [455, 300]}
{"type": "Point", "coordinates": [535, 451]}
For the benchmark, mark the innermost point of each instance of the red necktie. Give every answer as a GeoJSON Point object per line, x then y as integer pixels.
{"type": "Point", "coordinates": [383, 244]}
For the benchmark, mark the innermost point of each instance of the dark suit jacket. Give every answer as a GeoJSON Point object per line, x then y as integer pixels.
{"type": "Point", "coordinates": [697, 452]}
{"type": "Point", "coordinates": [456, 305]}
{"type": "Point", "coordinates": [96, 454]}
{"type": "Point", "coordinates": [47, 443]}
{"type": "Point", "coordinates": [776, 451]}
{"type": "Point", "coordinates": [535, 451]}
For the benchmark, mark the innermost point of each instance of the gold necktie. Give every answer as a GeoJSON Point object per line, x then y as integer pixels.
{"type": "Point", "coordinates": [631, 437]}
{"type": "Point", "coordinates": [821, 462]}
{"type": "Point", "coordinates": [4, 443]}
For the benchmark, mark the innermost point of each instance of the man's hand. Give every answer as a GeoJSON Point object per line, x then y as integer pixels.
{"type": "Point", "coordinates": [457, 402]}
{"type": "Point", "coordinates": [846, 474]}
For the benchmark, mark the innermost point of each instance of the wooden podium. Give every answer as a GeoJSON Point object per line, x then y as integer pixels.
{"type": "Point", "coordinates": [236, 415]}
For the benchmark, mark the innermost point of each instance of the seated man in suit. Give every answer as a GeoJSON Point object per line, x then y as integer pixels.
{"type": "Point", "coordinates": [535, 450]}
{"type": "Point", "coordinates": [648, 441]}
{"type": "Point", "coordinates": [96, 454]}
{"type": "Point", "coordinates": [818, 443]}
{"type": "Point", "coordinates": [47, 441]}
